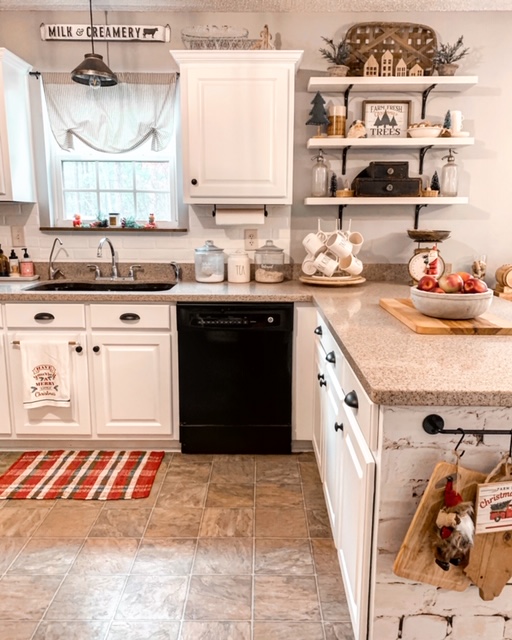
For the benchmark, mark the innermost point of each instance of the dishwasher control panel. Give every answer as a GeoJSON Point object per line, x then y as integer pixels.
{"type": "Point", "coordinates": [242, 316]}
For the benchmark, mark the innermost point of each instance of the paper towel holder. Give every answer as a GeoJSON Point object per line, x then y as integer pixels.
{"type": "Point", "coordinates": [214, 211]}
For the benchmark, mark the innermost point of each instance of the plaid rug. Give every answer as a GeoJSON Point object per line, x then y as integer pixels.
{"type": "Point", "coordinates": [81, 475]}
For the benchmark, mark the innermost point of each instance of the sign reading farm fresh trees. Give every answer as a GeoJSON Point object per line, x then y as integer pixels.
{"type": "Point", "coordinates": [386, 119]}
{"type": "Point", "coordinates": [115, 32]}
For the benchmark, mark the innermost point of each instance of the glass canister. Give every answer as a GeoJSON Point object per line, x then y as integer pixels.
{"type": "Point", "coordinates": [269, 261]}
{"type": "Point", "coordinates": [239, 267]}
{"type": "Point", "coordinates": [209, 263]}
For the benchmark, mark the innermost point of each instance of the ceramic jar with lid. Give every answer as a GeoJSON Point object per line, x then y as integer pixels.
{"type": "Point", "coordinates": [239, 267]}
{"type": "Point", "coordinates": [209, 263]}
{"type": "Point", "coordinates": [269, 261]}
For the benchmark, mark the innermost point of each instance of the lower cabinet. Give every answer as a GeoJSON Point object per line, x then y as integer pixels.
{"type": "Point", "coordinates": [5, 416]}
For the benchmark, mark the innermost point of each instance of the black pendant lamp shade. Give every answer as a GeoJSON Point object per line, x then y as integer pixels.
{"type": "Point", "coordinates": [93, 71]}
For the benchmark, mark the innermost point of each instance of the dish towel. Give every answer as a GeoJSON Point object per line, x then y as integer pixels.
{"type": "Point", "coordinates": [46, 374]}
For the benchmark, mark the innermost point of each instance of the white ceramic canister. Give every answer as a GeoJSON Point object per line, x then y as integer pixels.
{"type": "Point", "coordinates": [239, 267]}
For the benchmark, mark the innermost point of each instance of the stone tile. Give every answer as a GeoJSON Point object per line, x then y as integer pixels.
{"type": "Point", "coordinates": [216, 631]}
{"type": "Point", "coordinates": [281, 598]}
{"type": "Point", "coordinates": [272, 469]}
{"type": "Point", "coordinates": [197, 473]}
{"type": "Point", "coordinates": [279, 495]}
{"type": "Point", "coordinates": [288, 630]}
{"type": "Point", "coordinates": [16, 630]}
{"type": "Point", "coordinates": [53, 556]}
{"type": "Point", "coordinates": [211, 597]}
{"type": "Point", "coordinates": [338, 631]}
{"type": "Point", "coordinates": [325, 556]}
{"type": "Point", "coordinates": [9, 549]}
{"type": "Point", "coordinates": [280, 523]}
{"type": "Point", "coordinates": [309, 473]}
{"type": "Point", "coordinates": [75, 630]}
{"type": "Point", "coordinates": [314, 496]}
{"type": "Point", "coordinates": [318, 523]}
{"type": "Point", "coordinates": [147, 630]}
{"type": "Point", "coordinates": [177, 522]}
{"type": "Point", "coordinates": [226, 522]}
{"type": "Point", "coordinates": [26, 597]}
{"type": "Point", "coordinates": [223, 556]}
{"type": "Point", "coordinates": [332, 598]}
{"type": "Point", "coordinates": [105, 556]}
{"type": "Point", "coordinates": [88, 597]}
{"type": "Point", "coordinates": [69, 519]}
{"type": "Point", "coordinates": [184, 460]}
{"type": "Point", "coordinates": [153, 598]}
{"type": "Point", "coordinates": [179, 494]}
{"type": "Point", "coordinates": [115, 523]}
{"type": "Point", "coordinates": [233, 471]}
{"type": "Point", "coordinates": [165, 556]}
{"type": "Point", "coordinates": [281, 556]}
{"type": "Point", "coordinates": [21, 522]}
{"type": "Point", "coordinates": [230, 495]}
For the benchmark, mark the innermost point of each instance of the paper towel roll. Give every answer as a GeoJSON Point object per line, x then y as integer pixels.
{"type": "Point", "coordinates": [225, 216]}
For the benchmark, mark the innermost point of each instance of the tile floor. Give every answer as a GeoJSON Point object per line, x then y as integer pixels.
{"type": "Point", "coordinates": [225, 548]}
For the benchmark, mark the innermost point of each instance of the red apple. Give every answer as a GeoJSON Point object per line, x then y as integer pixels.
{"type": "Point", "coordinates": [451, 283]}
{"type": "Point", "coordinates": [474, 285]}
{"type": "Point", "coordinates": [427, 283]}
{"type": "Point", "coordinates": [464, 275]}
{"type": "Point", "coordinates": [438, 290]}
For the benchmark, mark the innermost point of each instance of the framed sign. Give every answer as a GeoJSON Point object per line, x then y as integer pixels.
{"type": "Point", "coordinates": [494, 507]}
{"type": "Point", "coordinates": [386, 118]}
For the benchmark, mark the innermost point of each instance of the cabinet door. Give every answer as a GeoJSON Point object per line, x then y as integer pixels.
{"type": "Point", "coordinates": [5, 417]}
{"type": "Point", "coordinates": [237, 131]}
{"type": "Point", "coordinates": [47, 421]}
{"type": "Point", "coordinates": [333, 447]}
{"type": "Point", "coordinates": [319, 394]}
{"type": "Point", "coordinates": [132, 383]}
{"type": "Point", "coordinates": [354, 532]}
{"type": "Point", "coordinates": [2, 169]}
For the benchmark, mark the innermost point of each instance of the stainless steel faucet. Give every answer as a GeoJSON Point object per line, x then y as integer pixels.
{"type": "Point", "coordinates": [99, 254]}
{"type": "Point", "coordinates": [52, 272]}
{"type": "Point", "coordinates": [177, 271]}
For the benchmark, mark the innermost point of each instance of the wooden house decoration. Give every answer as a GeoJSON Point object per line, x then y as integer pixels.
{"type": "Point", "coordinates": [416, 70]}
{"type": "Point", "coordinates": [401, 69]}
{"type": "Point", "coordinates": [371, 67]}
{"type": "Point", "coordinates": [386, 64]}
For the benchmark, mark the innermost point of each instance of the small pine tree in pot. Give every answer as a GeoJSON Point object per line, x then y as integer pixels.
{"type": "Point", "coordinates": [447, 55]}
{"type": "Point", "coordinates": [338, 54]}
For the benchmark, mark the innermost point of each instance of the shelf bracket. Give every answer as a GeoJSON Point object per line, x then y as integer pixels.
{"type": "Point", "coordinates": [347, 95]}
{"type": "Point", "coordinates": [344, 154]}
{"type": "Point", "coordinates": [417, 210]}
{"type": "Point", "coordinates": [424, 97]}
{"type": "Point", "coordinates": [340, 214]}
{"type": "Point", "coordinates": [423, 153]}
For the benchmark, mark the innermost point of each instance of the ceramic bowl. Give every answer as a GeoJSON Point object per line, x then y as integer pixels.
{"type": "Point", "coordinates": [451, 306]}
{"type": "Point", "coordinates": [424, 132]}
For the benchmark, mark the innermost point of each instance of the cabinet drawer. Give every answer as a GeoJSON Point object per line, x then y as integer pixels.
{"type": "Point", "coordinates": [58, 316]}
{"type": "Point", "coordinates": [132, 316]}
{"type": "Point", "coordinates": [366, 413]}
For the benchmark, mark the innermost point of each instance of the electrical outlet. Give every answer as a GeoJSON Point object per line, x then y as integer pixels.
{"type": "Point", "coordinates": [18, 236]}
{"type": "Point", "coordinates": [250, 237]}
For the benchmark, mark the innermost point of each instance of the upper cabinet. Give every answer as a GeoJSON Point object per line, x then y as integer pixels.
{"type": "Point", "coordinates": [16, 159]}
{"type": "Point", "coordinates": [237, 112]}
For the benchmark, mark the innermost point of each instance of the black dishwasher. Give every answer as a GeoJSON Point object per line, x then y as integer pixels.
{"type": "Point", "coordinates": [235, 377]}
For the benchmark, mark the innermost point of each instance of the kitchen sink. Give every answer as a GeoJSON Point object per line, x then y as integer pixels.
{"type": "Point", "coordinates": [63, 285]}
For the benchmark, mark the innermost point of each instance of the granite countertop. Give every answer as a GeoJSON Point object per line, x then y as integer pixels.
{"type": "Point", "coordinates": [396, 366]}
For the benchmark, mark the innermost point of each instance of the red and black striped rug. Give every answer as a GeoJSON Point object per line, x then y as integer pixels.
{"type": "Point", "coordinates": [81, 475]}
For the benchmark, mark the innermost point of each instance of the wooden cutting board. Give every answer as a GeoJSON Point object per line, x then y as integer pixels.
{"type": "Point", "coordinates": [486, 324]}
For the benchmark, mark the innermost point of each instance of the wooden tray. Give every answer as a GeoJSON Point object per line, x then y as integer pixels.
{"type": "Point", "coordinates": [486, 324]}
{"type": "Point", "coordinates": [324, 281]}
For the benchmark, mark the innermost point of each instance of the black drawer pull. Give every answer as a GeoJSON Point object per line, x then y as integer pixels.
{"type": "Point", "coordinates": [96, 349]}
{"type": "Point", "coordinates": [44, 316]}
{"type": "Point", "coordinates": [79, 349]}
{"type": "Point", "coordinates": [351, 400]}
{"type": "Point", "coordinates": [322, 382]}
{"type": "Point", "coordinates": [331, 357]}
{"type": "Point", "coordinates": [318, 331]}
{"type": "Point", "coordinates": [129, 316]}
{"type": "Point", "coordinates": [338, 427]}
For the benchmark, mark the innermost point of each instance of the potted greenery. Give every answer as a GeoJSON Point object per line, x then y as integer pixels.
{"type": "Point", "coordinates": [447, 55]}
{"type": "Point", "coordinates": [338, 54]}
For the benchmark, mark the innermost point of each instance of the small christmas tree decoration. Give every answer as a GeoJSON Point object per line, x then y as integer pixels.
{"type": "Point", "coordinates": [318, 114]}
{"type": "Point", "coordinates": [447, 124]}
{"type": "Point", "coordinates": [333, 185]}
{"type": "Point", "coordinates": [434, 185]}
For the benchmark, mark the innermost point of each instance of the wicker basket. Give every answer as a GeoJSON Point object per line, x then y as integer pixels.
{"type": "Point", "coordinates": [415, 43]}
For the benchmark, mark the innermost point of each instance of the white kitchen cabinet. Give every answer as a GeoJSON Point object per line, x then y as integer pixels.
{"type": "Point", "coordinates": [16, 156]}
{"type": "Point", "coordinates": [5, 416]}
{"type": "Point", "coordinates": [237, 115]}
{"type": "Point", "coordinates": [131, 369]}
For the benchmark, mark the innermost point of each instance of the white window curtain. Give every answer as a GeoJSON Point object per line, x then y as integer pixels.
{"type": "Point", "coordinates": [112, 119]}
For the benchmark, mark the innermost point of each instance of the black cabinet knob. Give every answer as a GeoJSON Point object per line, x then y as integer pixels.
{"type": "Point", "coordinates": [320, 376]}
{"type": "Point", "coordinates": [96, 349]}
{"type": "Point", "coordinates": [331, 357]}
{"type": "Point", "coordinates": [338, 427]}
{"type": "Point", "coordinates": [351, 400]}
{"type": "Point", "coordinates": [44, 316]}
{"type": "Point", "coordinates": [322, 383]}
{"type": "Point", "coordinates": [318, 331]}
{"type": "Point", "coordinates": [79, 349]}
{"type": "Point", "coordinates": [193, 181]}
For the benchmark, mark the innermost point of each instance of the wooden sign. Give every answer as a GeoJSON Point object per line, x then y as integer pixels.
{"type": "Point", "coordinates": [110, 32]}
{"type": "Point", "coordinates": [494, 507]}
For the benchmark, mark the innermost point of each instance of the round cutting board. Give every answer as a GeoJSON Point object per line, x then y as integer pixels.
{"type": "Point", "coordinates": [342, 281]}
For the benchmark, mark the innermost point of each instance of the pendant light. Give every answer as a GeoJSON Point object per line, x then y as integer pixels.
{"type": "Point", "coordinates": [93, 71]}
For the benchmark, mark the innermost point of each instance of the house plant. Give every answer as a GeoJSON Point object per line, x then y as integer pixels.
{"type": "Point", "coordinates": [447, 55]}
{"type": "Point", "coordinates": [338, 54]}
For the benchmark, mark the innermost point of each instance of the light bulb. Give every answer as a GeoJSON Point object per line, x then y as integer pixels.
{"type": "Point", "coordinates": [94, 82]}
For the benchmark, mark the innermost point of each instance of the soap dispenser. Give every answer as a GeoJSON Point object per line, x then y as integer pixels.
{"type": "Point", "coordinates": [4, 264]}
{"type": "Point", "coordinates": [26, 265]}
{"type": "Point", "coordinates": [449, 176]}
{"type": "Point", "coordinates": [14, 264]}
{"type": "Point", "coordinates": [320, 177]}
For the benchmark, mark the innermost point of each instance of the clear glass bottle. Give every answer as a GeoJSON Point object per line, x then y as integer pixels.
{"type": "Point", "coordinates": [320, 177]}
{"type": "Point", "coordinates": [449, 176]}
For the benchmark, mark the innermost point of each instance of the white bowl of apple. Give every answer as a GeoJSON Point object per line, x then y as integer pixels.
{"type": "Point", "coordinates": [454, 296]}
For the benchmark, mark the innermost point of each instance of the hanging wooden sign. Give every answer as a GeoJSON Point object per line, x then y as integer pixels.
{"type": "Point", "coordinates": [110, 32]}
{"type": "Point", "coordinates": [494, 507]}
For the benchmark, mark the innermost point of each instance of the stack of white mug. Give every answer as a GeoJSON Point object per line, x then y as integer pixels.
{"type": "Point", "coordinates": [329, 253]}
